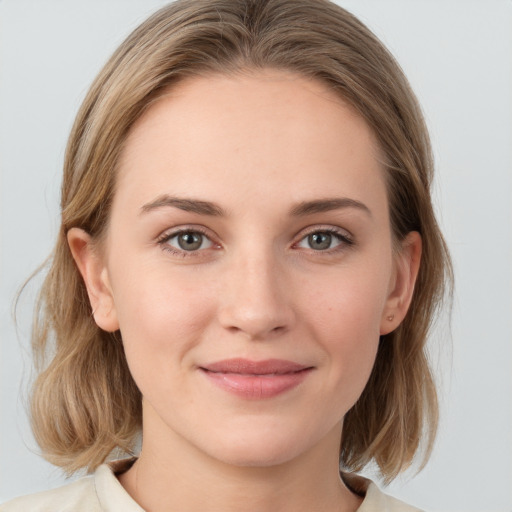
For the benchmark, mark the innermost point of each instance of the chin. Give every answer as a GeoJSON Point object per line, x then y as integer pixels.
{"type": "Point", "coordinates": [259, 448]}
{"type": "Point", "coordinates": [255, 457]}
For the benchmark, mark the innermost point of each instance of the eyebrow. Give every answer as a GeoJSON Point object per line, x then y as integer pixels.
{"type": "Point", "coordinates": [302, 209]}
{"type": "Point", "coordinates": [326, 205]}
{"type": "Point", "coordinates": [187, 205]}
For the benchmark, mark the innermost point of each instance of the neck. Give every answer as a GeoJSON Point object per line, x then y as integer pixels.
{"type": "Point", "coordinates": [181, 477]}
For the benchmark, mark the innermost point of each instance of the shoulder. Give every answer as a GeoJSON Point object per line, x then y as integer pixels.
{"type": "Point", "coordinates": [377, 501]}
{"type": "Point", "coordinates": [77, 497]}
{"type": "Point", "coordinates": [374, 500]}
{"type": "Point", "coordinates": [100, 492]}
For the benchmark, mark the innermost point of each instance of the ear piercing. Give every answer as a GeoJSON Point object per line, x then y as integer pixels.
{"type": "Point", "coordinates": [390, 318]}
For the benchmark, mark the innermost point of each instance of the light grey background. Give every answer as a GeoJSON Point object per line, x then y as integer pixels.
{"type": "Point", "coordinates": [458, 56]}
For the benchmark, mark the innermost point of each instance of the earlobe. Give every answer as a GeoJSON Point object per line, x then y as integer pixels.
{"type": "Point", "coordinates": [96, 279]}
{"type": "Point", "coordinates": [407, 265]}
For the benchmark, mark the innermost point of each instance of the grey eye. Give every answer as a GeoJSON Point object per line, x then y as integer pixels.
{"type": "Point", "coordinates": [186, 241]}
{"type": "Point", "coordinates": [323, 240]}
{"type": "Point", "coordinates": [320, 241]}
{"type": "Point", "coordinates": [190, 240]}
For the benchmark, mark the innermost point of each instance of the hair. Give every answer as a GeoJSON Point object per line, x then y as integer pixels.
{"type": "Point", "coordinates": [85, 404]}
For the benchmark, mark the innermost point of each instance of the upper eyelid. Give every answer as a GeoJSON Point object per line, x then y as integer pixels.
{"type": "Point", "coordinates": [324, 228]}
{"type": "Point", "coordinates": [306, 231]}
{"type": "Point", "coordinates": [172, 232]}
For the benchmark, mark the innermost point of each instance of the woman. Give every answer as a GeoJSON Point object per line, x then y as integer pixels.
{"type": "Point", "coordinates": [247, 268]}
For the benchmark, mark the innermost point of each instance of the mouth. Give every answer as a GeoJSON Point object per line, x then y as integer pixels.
{"type": "Point", "coordinates": [256, 380]}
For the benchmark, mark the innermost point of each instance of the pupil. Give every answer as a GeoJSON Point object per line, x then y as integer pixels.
{"type": "Point", "coordinates": [320, 241]}
{"type": "Point", "coordinates": [190, 241]}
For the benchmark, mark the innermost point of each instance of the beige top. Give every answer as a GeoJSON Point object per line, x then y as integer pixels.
{"type": "Point", "coordinates": [102, 492]}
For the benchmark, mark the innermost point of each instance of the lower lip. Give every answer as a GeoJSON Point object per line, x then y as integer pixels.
{"type": "Point", "coordinates": [257, 387]}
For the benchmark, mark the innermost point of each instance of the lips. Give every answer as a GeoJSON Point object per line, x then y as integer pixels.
{"type": "Point", "coordinates": [248, 367]}
{"type": "Point", "coordinates": [256, 379]}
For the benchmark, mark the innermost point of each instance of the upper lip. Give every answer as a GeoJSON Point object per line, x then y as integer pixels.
{"type": "Point", "coordinates": [249, 367]}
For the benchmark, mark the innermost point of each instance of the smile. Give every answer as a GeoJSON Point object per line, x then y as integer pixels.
{"type": "Point", "coordinates": [256, 380]}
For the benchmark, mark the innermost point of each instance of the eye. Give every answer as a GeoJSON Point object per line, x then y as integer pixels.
{"type": "Point", "coordinates": [324, 240]}
{"type": "Point", "coordinates": [189, 241]}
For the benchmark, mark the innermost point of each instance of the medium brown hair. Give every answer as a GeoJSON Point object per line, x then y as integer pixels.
{"type": "Point", "coordinates": [85, 403]}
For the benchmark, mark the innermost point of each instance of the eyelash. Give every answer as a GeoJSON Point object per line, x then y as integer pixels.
{"type": "Point", "coordinates": [345, 240]}
{"type": "Point", "coordinates": [167, 236]}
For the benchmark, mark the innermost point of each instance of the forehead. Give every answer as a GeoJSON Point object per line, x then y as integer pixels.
{"type": "Point", "coordinates": [246, 131]}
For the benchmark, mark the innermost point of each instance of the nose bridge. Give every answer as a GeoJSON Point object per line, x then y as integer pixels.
{"type": "Point", "coordinates": [255, 298]}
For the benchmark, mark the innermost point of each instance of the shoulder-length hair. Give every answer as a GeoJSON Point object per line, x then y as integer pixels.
{"type": "Point", "coordinates": [85, 404]}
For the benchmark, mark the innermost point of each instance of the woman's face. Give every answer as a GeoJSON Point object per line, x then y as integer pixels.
{"type": "Point", "coordinates": [248, 264]}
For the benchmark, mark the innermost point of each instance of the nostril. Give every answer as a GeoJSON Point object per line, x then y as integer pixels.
{"type": "Point", "coordinates": [256, 329]}
{"type": "Point", "coordinates": [256, 306]}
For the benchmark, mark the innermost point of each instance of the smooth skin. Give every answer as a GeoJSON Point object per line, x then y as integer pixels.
{"type": "Point", "coordinates": [250, 220]}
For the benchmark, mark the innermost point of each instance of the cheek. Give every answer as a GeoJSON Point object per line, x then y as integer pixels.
{"type": "Point", "coordinates": [161, 316]}
{"type": "Point", "coordinates": [349, 305]}
{"type": "Point", "coordinates": [345, 317]}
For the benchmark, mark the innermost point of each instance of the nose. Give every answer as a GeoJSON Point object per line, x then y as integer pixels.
{"type": "Point", "coordinates": [255, 299]}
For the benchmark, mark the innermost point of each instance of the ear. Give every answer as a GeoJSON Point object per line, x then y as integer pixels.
{"type": "Point", "coordinates": [96, 279]}
{"type": "Point", "coordinates": [407, 265]}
